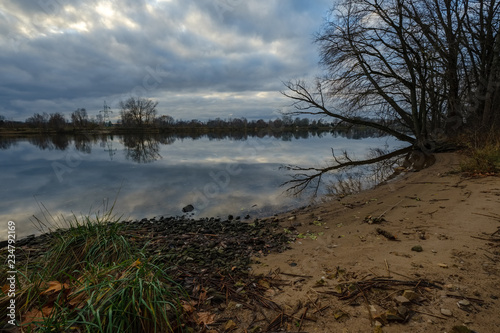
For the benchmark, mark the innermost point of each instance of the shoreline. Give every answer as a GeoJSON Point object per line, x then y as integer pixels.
{"type": "Point", "coordinates": [431, 225]}
{"type": "Point", "coordinates": [449, 217]}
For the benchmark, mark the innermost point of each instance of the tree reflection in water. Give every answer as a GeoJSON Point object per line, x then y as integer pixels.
{"type": "Point", "coordinates": [345, 175]}
{"type": "Point", "coordinates": [50, 142]}
{"type": "Point", "coordinates": [145, 148]}
{"type": "Point", "coordinates": [83, 144]}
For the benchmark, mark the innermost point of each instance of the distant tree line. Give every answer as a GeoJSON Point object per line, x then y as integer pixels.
{"type": "Point", "coordinates": [144, 147]}
{"type": "Point", "coordinates": [140, 114]}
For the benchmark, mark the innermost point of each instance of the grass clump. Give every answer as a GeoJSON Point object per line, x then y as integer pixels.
{"type": "Point", "coordinates": [92, 279]}
{"type": "Point", "coordinates": [483, 158]}
{"type": "Point", "coordinates": [87, 242]}
{"type": "Point", "coordinates": [130, 297]}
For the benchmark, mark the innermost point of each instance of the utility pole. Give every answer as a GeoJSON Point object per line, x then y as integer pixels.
{"type": "Point", "coordinates": [105, 114]}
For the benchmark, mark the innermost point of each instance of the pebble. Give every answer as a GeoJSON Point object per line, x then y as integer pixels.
{"type": "Point", "coordinates": [410, 295]}
{"type": "Point", "coordinates": [417, 248]}
{"type": "Point", "coordinates": [188, 208]}
{"type": "Point", "coordinates": [446, 312]}
{"type": "Point", "coordinates": [460, 329]}
{"type": "Point", "coordinates": [402, 300]}
{"type": "Point", "coordinates": [463, 302]}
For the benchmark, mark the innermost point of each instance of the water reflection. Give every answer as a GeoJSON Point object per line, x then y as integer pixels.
{"type": "Point", "coordinates": [145, 147]}
{"type": "Point", "coordinates": [158, 174]}
{"type": "Point", "coordinates": [83, 144]}
{"type": "Point", "coordinates": [142, 148]}
{"type": "Point", "coordinates": [6, 142]}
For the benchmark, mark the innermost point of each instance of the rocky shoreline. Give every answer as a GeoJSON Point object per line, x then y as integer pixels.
{"type": "Point", "coordinates": [211, 245]}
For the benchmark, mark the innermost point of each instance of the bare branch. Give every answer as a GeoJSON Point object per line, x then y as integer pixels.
{"type": "Point", "coordinates": [306, 176]}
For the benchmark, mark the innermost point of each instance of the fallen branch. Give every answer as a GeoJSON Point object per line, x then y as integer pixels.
{"type": "Point", "coordinates": [296, 275]}
{"type": "Point", "coordinates": [490, 216]}
{"type": "Point", "coordinates": [487, 239]}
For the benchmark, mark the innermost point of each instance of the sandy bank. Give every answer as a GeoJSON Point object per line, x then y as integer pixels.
{"type": "Point", "coordinates": [441, 212]}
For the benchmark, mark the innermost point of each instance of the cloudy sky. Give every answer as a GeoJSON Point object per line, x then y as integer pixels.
{"type": "Point", "coordinates": [199, 58]}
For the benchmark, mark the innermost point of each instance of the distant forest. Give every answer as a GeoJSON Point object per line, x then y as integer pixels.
{"type": "Point", "coordinates": [130, 122]}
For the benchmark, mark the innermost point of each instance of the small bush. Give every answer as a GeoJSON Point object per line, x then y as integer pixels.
{"type": "Point", "coordinates": [484, 159]}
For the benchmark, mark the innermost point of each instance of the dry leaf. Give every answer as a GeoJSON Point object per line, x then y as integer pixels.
{"type": "Point", "coordinates": [55, 286]}
{"type": "Point", "coordinates": [135, 263]}
{"type": "Point", "coordinates": [203, 296]}
{"type": "Point", "coordinates": [5, 288]}
{"type": "Point", "coordinates": [188, 307]}
{"type": "Point", "coordinates": [205, 318]}
{"type": "Point", "coordinates": [36, 315]}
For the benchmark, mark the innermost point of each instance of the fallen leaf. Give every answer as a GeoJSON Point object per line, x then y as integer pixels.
{"type": "Point", "coordinates": [203, 296]}
{"type": "Point", "coordinates": [264, 284]}
{"type": "Point", "coordinates": [5, 288]}
{"type": "Point", "coordinates": [36, 315]}
{"type": "Point", "coordinates": [205, 318]}
{"type": "Point", "coordinates": [55, 286]}
{"type": "Point", "coordinates": [188, 306]}
{"type": "Point", "coordinates": [135, 263]}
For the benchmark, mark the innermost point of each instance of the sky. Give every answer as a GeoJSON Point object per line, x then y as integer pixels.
{"type": "Point", "coordinates": [200, 59]}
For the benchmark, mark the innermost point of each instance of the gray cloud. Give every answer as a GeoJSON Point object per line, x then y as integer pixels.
{"type": "Point", "coordinates": [204, 54]}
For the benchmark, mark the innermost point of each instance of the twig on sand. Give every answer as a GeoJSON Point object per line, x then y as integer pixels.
{"type": "Point", "coordinates": [487, 239]}
{"type": "Point", "coordinates": [490, 216]}
{"type": "Point", "coordinates": [302, 318]}
{"type": "Point", "coordinates": [429, 314]}
{"type": "Point", "coordinates": [390, 208]}
{"type": "Point", "coordinates": [296, 275]}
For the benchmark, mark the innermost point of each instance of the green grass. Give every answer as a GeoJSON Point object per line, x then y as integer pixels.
{"type": "Point", "coordinates": [87, 242]}
{"type": "Point", "coordinates": [129, 297]}
{"type": "Point", "coordinates": [92, 279]}
{"type": "Point", "coordinates": [484, 158]}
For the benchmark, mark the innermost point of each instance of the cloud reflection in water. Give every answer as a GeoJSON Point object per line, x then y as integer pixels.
{"type": "Point", "coordinates": [156, 175]}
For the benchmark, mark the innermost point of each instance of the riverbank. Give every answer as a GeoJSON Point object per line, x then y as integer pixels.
{"type": "Point", "coordinates": [342, 266]}
{"type": "Point", "coordinates": [430, 226]}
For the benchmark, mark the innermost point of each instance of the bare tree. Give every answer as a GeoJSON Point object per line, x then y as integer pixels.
{"type": "Point", "coordinates": [38, 120]}
{"type": "Point", "coordinates": [419, 67]}
{"type": "Point", "coordinates": [57, 121]}
{"type": "Point", "coordinates": [482, 58]}
{"type": "Point", "coordinates": [138, 111]}
{"type": "Point", "coordinates": [164, 121]}
{"type": "Point", "coordinates": [79, 118]}
{"type": "Point", "coordinates": [416, 65]}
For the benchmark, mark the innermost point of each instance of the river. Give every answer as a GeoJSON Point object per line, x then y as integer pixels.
{"type": "Point", "coordinates": [44, 180]}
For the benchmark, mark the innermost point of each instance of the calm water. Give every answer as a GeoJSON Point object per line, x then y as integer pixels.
{"type": "Point", "coordinates": [158, 175]}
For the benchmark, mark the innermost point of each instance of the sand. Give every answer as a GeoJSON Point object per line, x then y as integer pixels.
{"type": "Point", "coordinates": [442, 212]}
